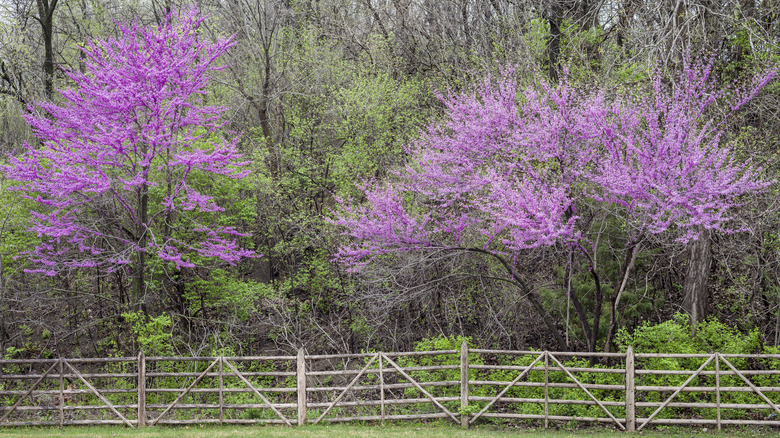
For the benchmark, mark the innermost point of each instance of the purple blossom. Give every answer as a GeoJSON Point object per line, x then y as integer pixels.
{"type": "Point", "coordinates": [133, 127]}
{"type": "Point", "coordinates": [505, 174]}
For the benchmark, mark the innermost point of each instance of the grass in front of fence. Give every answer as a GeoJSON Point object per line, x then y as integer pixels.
{"type": "Point", "coordinates": [394, 431]}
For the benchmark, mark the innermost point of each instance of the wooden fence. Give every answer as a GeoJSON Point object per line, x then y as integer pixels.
{"type": "Point", "coordinates": [628, 390]}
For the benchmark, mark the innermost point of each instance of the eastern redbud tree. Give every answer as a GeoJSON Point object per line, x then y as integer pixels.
{"type": "Point", "coordinates": [509, 171]}
{"type": "Point", "coordinates": [125, 161]}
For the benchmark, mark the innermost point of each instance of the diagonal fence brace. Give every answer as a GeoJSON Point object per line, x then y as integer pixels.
{"type": "Point", "coordinates": [420, 388]}
{"type": "Point", "coordinates": [511, 384]}
{"type": "Point", "coordinates": [690, 379]}
{"type": "Point", "coordinates": [351, 384]}
{"type": "Point", "coordinates": [755, 389]}
{"type": "Point", "coordinates": [582, 387]}
{"type": "Point", "coordinates": [186, 391]}
{"type": "Point", "coordinates": [29, 391]}
{"type": "Point", "coordinates": [257, 393]}
{"type": "Point", "coordinates": [97, 393]}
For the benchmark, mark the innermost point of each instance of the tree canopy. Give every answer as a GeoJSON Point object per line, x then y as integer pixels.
{"type": "Point", "coordinates": [118, 166]}
{"type": "Point", "coordinates": [510, 170]}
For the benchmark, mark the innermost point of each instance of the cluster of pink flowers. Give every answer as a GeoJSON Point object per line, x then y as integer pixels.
{"type": "Point", "coordinates": [508, 170]}
{"type": "Point", "coordinates": [133, 126]}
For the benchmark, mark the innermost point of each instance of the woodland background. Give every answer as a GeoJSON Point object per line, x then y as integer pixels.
{"type": "Point", "coordinates": [326, 94]}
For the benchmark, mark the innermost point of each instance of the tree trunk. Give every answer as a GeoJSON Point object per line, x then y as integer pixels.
{"type": "Point", "coordinates": [139, 279]}
{"type": "Point", "coordinates": [554, 19]}
{"type": "Point", "coordinates": [46, 20]}
{"type": "Point", "coordinates": [695, 286]}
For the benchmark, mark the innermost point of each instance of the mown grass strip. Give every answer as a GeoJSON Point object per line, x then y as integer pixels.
{"type": "Point", "coordinates": [392, 431]}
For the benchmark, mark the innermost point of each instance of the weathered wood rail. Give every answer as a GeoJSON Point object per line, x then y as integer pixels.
{"type": "Point", "coordinates": [463, 386]}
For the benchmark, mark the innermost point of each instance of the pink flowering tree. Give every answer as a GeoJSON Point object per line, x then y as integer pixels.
{"type": "Point", "coordinates": [503, 175]}
{"type": "Point", "coordinates": [126, 159]}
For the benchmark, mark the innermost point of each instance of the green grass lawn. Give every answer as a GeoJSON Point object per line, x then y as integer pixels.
{"type": "Point", "coordinates": [394, 431]}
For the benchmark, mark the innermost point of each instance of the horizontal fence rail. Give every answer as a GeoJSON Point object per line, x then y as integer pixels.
{"type": "Point", "coordinates": [626, 390]}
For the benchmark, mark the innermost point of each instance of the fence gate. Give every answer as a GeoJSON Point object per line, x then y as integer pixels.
{"type": "Point", "coordinates": [97, 393]}
{"type": "Point", "coordinates": [719, 358]}
{"type": "Point", "coordinates": [65, 369]}
{"type": "Point", "coordinates": [544, 362]}
{"type": "Point", "coordinates": [252, 387]}
{"type": "Point", "coordinates": [719, 388]}
{"type": "Point", "coordinates": [382, 366]}
{"type": "Point", "coordinates": [677, 391]}
{"type": "Point", "coordinates": [578, 383]}
{"type": "Point", "coordinates": [343, 392]}
{"type": "Point", "coordinates": [186, 391]}
{"type": "Point", "coordinates": [420, 388]}
{"type": "Point", "coordinates": [507, 388]}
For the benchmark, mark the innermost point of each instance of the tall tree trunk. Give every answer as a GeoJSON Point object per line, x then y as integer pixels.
{"type": "Point", "coordinates": [139, 277]}
{"type": "Point", "coordinates": [695, 286]}
{"type": "Point", "coordinates": [554, 19]}
{"type": "Point", "coordinates": [46, 20]}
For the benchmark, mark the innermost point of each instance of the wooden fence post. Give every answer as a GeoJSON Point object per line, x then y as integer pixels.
{"type": "Point", "coordinates": [630, 391]}
{"type": "Point", "coordinates": [464, 384]}
{"type": "Point", "coordinates": [62, 394]}
{"type": "Point", "coordinates": [717, 388]}
{"type": "Point", "coordinates": [221, 390]}
{"type": "Point", "coordinates": [141, 389]}
{"type": "Point", "coordinates": [546, 389]}
{"type": "Point", "coordinates": [382, 388]}
{"type": "Point", "coordinates": [301, 371]}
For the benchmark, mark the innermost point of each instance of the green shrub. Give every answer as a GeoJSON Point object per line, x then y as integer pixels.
{"type": "Point", "coordinates": [537, 393]}
{"type": "Point", "coordinates": [677, 336]}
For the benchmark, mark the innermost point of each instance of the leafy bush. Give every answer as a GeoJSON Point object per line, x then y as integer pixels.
{"type": "Point", "coordinates": [677, 336]}
{"type": "Point", "coordinates": [674, 336]}
{"type": "Point", "coordinates": [555, 377]}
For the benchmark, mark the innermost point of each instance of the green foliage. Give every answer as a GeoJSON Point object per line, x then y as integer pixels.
{"type": "Point", "coordinates": [15, 217]}
{"type": "Point", "coordinates": [536, 38]}
{"type": "Point", "coordinates": [347, 126]}
{"type": "Point", "coordinates": [261, 381]}
{"type": "Point", "coordinates": [439, 343]}
{"type": "Point", "coordinates": [12, 351]}
{"type": "Point", "coordinates": [677, 336]}
{"type": "Point", "coordinates": [152, 333]}
{"type": "Point", "coordinates": [745, 57]}
{"type": "Point", "coordinates": [591, 57]}
{"type": "Point", "coordinates": [222, 292]}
